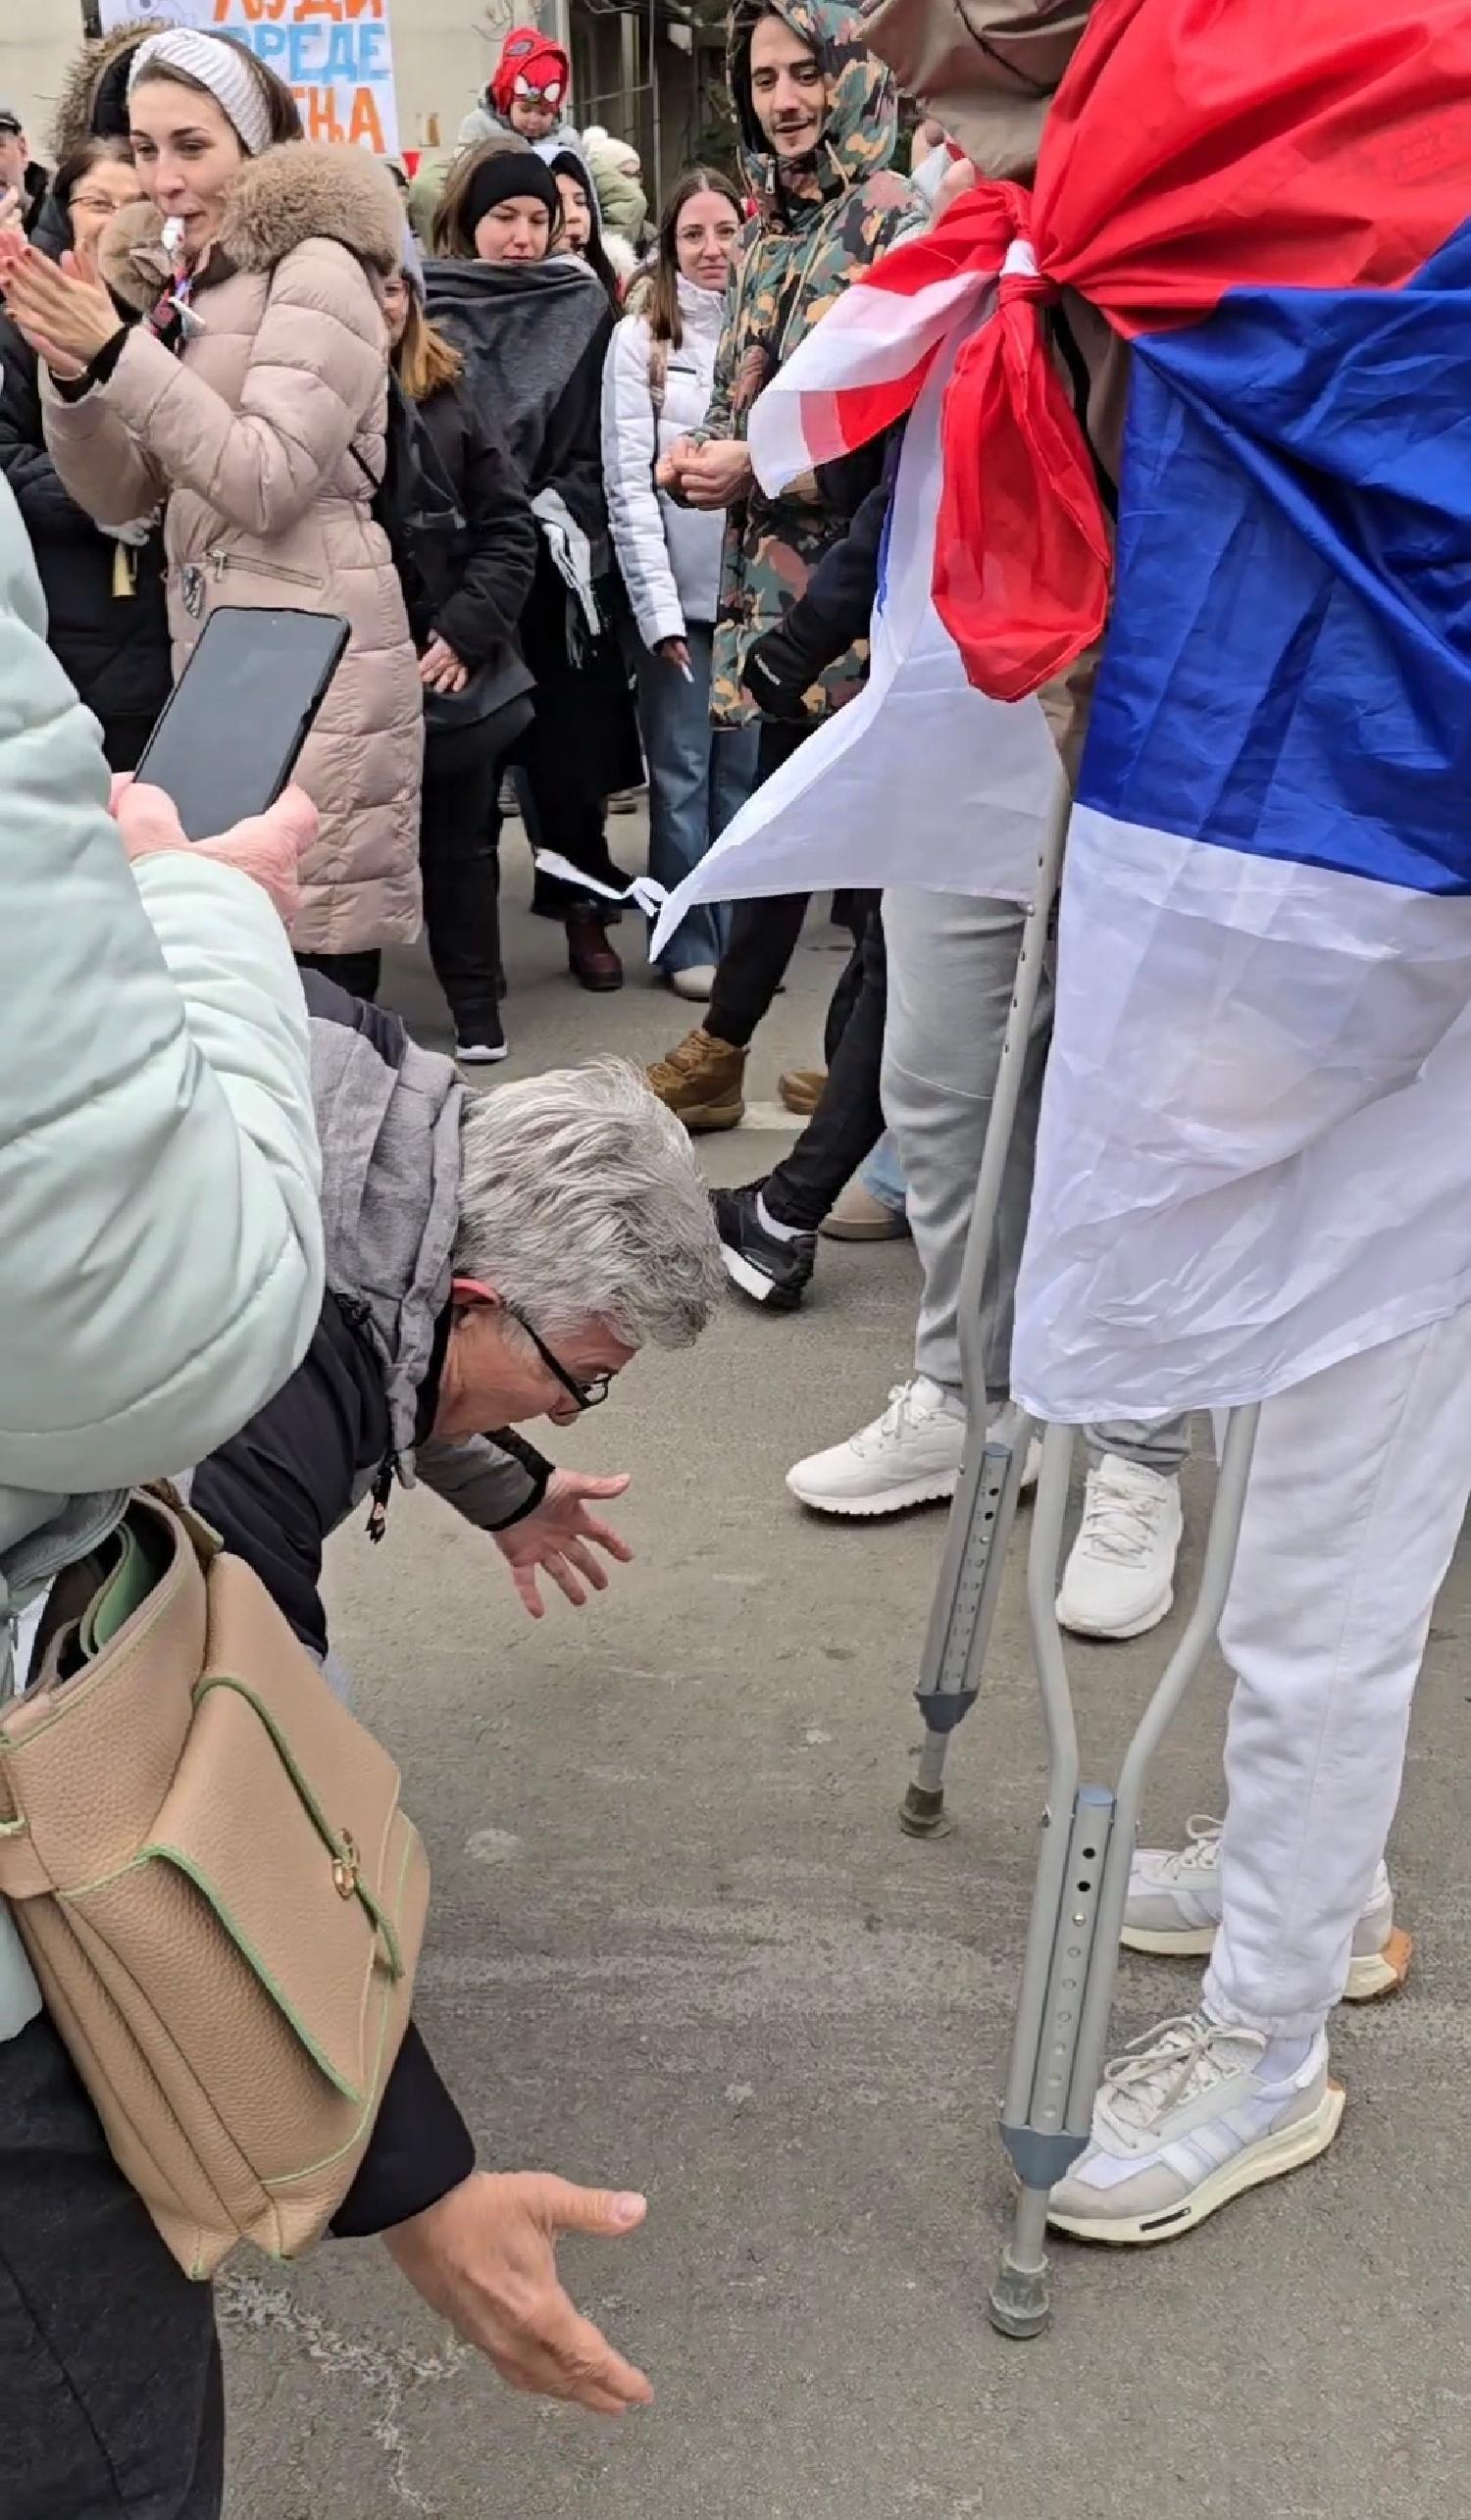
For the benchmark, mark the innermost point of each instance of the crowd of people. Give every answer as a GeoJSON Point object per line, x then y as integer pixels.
{"type": "Point", "coordinates": [497, 420]}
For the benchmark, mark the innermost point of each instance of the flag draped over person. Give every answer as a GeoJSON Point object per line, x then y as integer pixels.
{"type": "Point", "coordinates": [1254, 1155]}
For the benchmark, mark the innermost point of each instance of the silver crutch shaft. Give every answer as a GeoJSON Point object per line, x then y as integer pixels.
{"type": "Point", "coordinates": [1083, 1881]}
{"type": "Point", "coordinates": [984, 1507]}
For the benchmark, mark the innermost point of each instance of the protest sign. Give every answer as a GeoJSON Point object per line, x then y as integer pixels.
{"type": "Point", "coordinates": [335, 56]}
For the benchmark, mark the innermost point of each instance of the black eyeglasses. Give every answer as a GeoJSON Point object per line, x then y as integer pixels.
{"type": "Point", "coordinates": [588, 1394]}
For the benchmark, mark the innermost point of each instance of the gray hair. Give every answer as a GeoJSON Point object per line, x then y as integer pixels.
{"type": "Point", "coordinates": [580, 1197]}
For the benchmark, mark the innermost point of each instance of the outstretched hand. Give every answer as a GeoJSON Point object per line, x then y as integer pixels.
{"type": "Point", "coordinates": [560, 1537]}
{"type": "Point", "coordinates": [485, 2257]}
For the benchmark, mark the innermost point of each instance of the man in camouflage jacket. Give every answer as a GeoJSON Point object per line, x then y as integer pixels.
{"type": "Point", "coordinates": [816, 141]}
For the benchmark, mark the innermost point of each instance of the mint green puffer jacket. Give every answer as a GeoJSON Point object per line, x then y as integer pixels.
{"type": "Point", "coordinates": [161, 1262]}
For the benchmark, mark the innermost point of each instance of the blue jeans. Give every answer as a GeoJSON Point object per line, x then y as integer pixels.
{"type": "Point", "coordinates": [883, 1176]}
{"type": "Point", "coordinates": [699, 776]}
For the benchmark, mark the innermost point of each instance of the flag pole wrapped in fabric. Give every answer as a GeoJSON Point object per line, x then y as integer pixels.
{"type": "Point", "coordinates": [1253, 1155]}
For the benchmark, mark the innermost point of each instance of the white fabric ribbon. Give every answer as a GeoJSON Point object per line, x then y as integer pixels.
{"type": "Point", "coordinates": [643, 892]}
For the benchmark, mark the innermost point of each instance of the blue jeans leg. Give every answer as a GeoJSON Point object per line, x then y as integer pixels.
{"type": "Point", "coordinates": [697, 777]}
{"type": "Point", "coordinates": [883, 1176]}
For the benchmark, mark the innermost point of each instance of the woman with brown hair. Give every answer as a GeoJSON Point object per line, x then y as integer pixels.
{"type": "Point", "coordinates": [532, 325]}
{"type": "Point", "coordinates": [249, 402]}
{"type": "Point", "coordinates": [477, 684]}
{"type": "Point", "coordinates": [656, 389]}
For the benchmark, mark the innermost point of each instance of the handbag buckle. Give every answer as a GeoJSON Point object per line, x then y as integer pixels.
{"type": "Point", "coordinates": [346, 1867]}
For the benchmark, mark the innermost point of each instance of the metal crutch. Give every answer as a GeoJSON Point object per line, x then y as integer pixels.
{"type": "Point", "coordinates": [984, 1507]}
{"type": "Point", "coordinates": [1083, 1878]}
{"type": "Point", "coordinates": [1066, 1994]}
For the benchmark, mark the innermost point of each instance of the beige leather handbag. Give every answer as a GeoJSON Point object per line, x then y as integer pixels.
{"type": "Point", "coordinates": [216, 1886]}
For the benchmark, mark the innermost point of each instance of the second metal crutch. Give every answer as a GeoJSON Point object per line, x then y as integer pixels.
{"type": "Point", "coordinates": [1083, 1878]}
{"type": "Point", "coordinates": [990, 1480]}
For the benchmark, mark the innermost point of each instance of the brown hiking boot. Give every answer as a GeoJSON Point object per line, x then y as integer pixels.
{"type": "Point", "coordinates": [699, 1081]}
{"type": "Point", "coordinates": [801, 1089]}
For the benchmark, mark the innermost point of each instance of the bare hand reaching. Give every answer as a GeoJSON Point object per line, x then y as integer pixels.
{"type": "Point", "coordinates": [484, 2256]}
{"type": "Point", "coordinates": [560, 1537]}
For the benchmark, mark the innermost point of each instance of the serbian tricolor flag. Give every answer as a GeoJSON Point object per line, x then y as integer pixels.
{"type": "Point", "coordinates": [1255, 1151]}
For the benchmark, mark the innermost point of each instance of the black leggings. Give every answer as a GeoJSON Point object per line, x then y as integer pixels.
{"type": "Point", "coordinates": [848, 1120]}
{"type": "Point", "coordinates": [763, 933]}
{"type": "Point", "coordinates": [459, 835]}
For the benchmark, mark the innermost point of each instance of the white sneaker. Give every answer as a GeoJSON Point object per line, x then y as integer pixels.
{"type": "Point", "coordinates": [910, 1456]}
{"type": "Point", "coordinates": [1119, 1577]}
{"type": "Point", "coordinates": [1174, 1907]}
{"type": "Point", "coordinates": [1190, 2116]}
{"type": "Point", "coordinates": [695, 982]}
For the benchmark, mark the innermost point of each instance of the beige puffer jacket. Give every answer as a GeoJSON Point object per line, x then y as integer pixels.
{"type": "Point", "coordinates": [249, 437]}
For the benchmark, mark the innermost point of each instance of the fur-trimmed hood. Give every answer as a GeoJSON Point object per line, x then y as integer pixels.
{"type": "Point", "coordinates": [305, 188]}
{"type": "Point", "coordinates": [298, 189]}
{"type": "Point", "coordinates": [95, 91]}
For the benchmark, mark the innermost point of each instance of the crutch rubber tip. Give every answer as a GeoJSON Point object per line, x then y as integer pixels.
{"type": "Point", "coordinates": [923, 1814]}
{"type": "Point", "coordinates": [1021, 2299]}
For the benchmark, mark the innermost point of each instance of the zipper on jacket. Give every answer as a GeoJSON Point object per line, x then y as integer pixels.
{"type": "Point", "coordinates": [220, 558]}
{"type": "Point", "coordinates": [358, 1315]}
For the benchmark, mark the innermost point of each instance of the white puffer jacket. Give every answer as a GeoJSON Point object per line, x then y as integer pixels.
{"type": "Point", "coordinates": [668, 556]}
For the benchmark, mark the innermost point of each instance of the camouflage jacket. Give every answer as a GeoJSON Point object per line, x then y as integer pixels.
{"type": "Point", "coordinates": [818, 226]}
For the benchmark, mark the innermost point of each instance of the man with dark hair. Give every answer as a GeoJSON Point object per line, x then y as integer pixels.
{"type": "Point", "coordinates": [818, 118]}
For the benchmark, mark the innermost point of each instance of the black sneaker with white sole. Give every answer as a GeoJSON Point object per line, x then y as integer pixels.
{"type": "Point", "coordinates": [772, 1268]}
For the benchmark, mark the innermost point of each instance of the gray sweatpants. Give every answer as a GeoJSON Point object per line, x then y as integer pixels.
{"type": "Point", "coordinates": [951, 968]}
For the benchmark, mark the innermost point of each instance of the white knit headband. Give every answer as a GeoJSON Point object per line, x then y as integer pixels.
{"type": "Point", "coordinates": [219, 68]}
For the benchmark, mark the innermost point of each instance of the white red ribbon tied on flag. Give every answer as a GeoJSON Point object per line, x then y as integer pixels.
{"type": "Point", "coordinates": [1022, 554]}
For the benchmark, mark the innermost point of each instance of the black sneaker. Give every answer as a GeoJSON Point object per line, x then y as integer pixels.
{"type": "Point", "coordinates": [772, 1268]}
{"type": "Point", "coordinates": [481, 1040]}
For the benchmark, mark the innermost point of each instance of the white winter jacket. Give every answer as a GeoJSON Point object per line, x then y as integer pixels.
{"type": "Point", "coordinates": [161, 1266]}
{"type": "Point", "coordinates": [668, 556]}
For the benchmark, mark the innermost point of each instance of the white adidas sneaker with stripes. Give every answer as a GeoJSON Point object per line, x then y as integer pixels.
{"type": "Point", "coordinates": [1174, 1907]}
{"type": "Point", "coordinates": [1189, 2117]}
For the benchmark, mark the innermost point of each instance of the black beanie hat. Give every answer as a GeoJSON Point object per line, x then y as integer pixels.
{"type": "Point", "coordinates": [508, 175]}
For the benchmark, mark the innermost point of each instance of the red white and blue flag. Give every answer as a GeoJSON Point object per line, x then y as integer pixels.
{"type": "Point", "coordinates": [1255, 1154]}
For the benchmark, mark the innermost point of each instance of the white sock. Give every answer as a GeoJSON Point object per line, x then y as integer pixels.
{"type": "Point", "coordinates": [1281, 2058]}
{"type": "Point", "coordinates": [773, 1224]}
{"type": "Point", "coordinates": [1284, 2058]}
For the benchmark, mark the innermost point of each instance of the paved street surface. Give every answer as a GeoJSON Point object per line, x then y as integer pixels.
{"type": "Point", "coordinates": [678, 1944]}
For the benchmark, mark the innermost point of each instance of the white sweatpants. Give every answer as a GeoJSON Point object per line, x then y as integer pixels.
{"type": "Point", "coordinates": [1357, 1493]}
